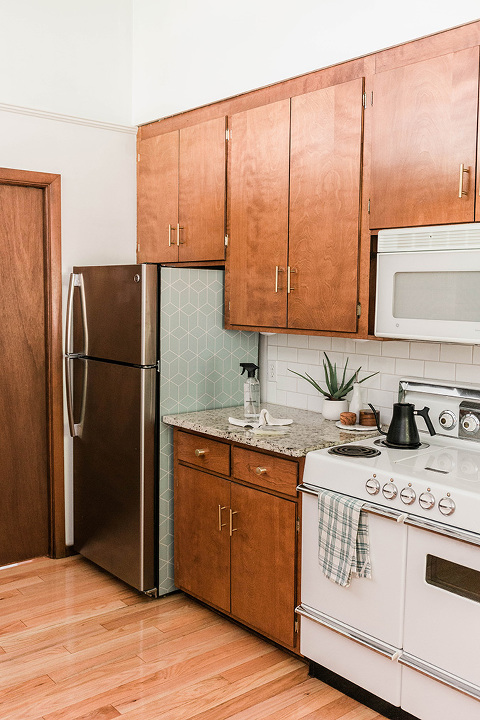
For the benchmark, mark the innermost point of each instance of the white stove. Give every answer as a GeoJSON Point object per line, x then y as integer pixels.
{"type": "Point", "coordinates": [410, 635]}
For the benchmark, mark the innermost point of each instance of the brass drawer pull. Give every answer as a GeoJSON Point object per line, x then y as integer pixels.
{"type": "Point", "coordinates": [232, 529]}
{"type": "Point", "coordinates": [200, 453]}
{"type": "Point", "coordinates": [220, 524]}
{"type": "Point", "coordinates": [463, 170]}
{"type": "Point", "coordinates": [179, 242]}
{"type": "Point", "coordinates": [170, 235]}
{"type": "Point", "coordinates": [261, 470]}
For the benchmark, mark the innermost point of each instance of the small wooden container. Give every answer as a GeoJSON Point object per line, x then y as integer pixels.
{"type": "Point", "coordinates": [367, 418]}
{"type": "Point", "coordinates": [348, 418]}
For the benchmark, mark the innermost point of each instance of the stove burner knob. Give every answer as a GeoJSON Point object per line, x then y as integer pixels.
{"type": "Point", "coordinates": [408, 495]}
{"type": "Point", "coordinates": [426, 500]}
{"type": "Point", "coordinates": [447, 419]}
{"type": "Point", "coordinates": [372, 486]}
{"type": "Point", "coordinates": [470, 423]}
{"type": "Point", "coordinates": [446, 506]}
{"type": "Point", "coordinates": [390, 491]}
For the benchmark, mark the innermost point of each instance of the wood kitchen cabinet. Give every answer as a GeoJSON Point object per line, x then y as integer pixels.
{"type": "Point", "coordinates": [236, 532]}
{"type": "Point", "coordinates": [424, 143]}
{"type": "Point", "coordinates": [293, 211]}
{"type": "Point", "coordinates": [181, 195]}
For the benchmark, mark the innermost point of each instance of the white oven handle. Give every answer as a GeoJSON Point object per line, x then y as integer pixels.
{"type": "Point", "coordinates": [389, 651]}
{"type": "Point", "coordinates": [414, 520]}
{"type": "Point", "coordinates": [442, 676]}
{"type": "Point", "coordinates": [368, 507]}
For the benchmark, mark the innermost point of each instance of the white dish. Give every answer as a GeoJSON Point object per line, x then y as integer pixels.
{"type": "Point", "coordinates": [356, 428]}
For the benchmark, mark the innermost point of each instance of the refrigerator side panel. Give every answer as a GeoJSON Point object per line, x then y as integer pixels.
{"type": "Point", "coordinates": [199, 370]}
{"type": "Point", "coordinates": [114, 469]}
{"type": "Point", "coordinates": [115, 313]}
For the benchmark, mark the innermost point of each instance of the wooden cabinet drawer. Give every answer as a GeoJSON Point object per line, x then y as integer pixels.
{"type": "Point", "coordinates": [204, 453]}
{"type": "Point", "coordinates": [265, 471]}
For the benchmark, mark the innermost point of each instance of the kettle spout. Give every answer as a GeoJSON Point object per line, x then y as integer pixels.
{"type": "Point", "coordinates": [375, 412]}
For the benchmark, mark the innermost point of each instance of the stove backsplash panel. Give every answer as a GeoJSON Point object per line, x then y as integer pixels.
{"type": "Point", "coordinates": [392, 359]}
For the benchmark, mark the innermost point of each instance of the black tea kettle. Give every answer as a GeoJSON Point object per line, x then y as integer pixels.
{"type": "Point", "coordinates": [403, 432]}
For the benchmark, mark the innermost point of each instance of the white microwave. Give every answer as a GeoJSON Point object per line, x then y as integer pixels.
{"type": "Point", "coordinates": [428, 283]}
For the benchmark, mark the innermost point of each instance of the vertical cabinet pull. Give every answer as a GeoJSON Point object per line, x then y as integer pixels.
{"type": "Point", "coordinates": [179, 227]}
{"type": "Point", "coordinates": [169, 235]}
{"type": "Point", "coordinates": [289, 284]}
{"type": "Point", "coordinates": [220, 524]}
{"type": "Point", "coordinates": [232, 529]}
{"type": "Point", "coordinates": [278, 270]}
{"type": "Point", "coordinates": [463, 170]}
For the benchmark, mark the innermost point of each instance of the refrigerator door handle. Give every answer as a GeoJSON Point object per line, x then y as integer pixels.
{"type": "Point", "coordinates": [76, 280]}
{"type": "Point", "coordinates": [75, 428]}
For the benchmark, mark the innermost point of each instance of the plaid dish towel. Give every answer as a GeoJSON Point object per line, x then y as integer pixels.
{"type": "Point", "coordinates": [343, 546]}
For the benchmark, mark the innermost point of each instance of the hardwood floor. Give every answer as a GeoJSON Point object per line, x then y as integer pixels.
{"type": "Point", "coordinates": [76, 644]}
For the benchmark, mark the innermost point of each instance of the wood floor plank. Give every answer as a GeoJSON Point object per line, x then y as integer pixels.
{"type": "Point", "coordinates": [78, 644]}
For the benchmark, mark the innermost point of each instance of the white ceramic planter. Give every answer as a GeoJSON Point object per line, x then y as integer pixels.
{"type": "Point", "coordinates": [331, 409]}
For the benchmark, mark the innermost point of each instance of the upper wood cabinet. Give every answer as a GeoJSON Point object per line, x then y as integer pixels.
{"type": "Point", "coordinates": [181, 195]}
{"type": "Point", "coordinates": [424, 142]}
{"type": "Point", "coordinates": [293, 211]}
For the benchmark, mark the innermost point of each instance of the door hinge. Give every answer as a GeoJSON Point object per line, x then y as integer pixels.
{"type": "Point", "coordinates": [296, 626]}
{"type": "Point", "coordinates": [158, 366]}
{"type": "Point", "coordinates": [369, 206]}
{"type": "Point", "coordinates": [138, 157]}
{"type": "Point", "coordinates": [359, 309]}
{"type": "Point", "coordinates": [226, 240]}
{"type": "Point", "coordinates": [364, 100]}
{"type": "Point", "coordinates": [228, 134]}
{"type": "Point", "coordinates": [297, 525]}
{"type": "Point", "coordinates": [371, 98]}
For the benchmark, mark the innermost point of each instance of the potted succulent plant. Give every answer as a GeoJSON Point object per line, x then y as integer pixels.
{"type": "Point", "coordinates": [334, 401]}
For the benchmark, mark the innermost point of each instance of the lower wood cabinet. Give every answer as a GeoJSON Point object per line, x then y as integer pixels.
{"type": "Point", "coordinates": [236, 543]}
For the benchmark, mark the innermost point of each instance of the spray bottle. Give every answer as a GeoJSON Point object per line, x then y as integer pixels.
{"type": "Point", "coordinates": [251, 392]}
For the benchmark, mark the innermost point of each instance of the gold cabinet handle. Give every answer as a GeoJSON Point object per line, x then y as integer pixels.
{"type": "Point", "coordinates": [232, 529]}
{"type": "Point", "coordinates": [289, 285]}
{"type": "Point", "coordinates": [170, 235]}
{"type": "Point", "coordinates": [261, 470]}
{"type": "Point", "coordinates": [278, 270]}
{"type": "Point", "coordinates": [220, 524]}
{"type": "Point", "coordinates": [200, 453]}
{"type": "Point", "coordinates": [463, 170]}
{"type": "Point", "coordinates": [179, 227]}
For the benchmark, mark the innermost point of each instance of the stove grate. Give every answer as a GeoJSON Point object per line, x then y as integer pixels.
{"type": "Point", "coordinates": [354, 451]}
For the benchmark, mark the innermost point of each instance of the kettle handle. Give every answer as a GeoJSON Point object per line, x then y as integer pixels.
{"type": "Point", "coordinates": [426, 417]}
{"type": "Point", "coordinates": [375, 412]}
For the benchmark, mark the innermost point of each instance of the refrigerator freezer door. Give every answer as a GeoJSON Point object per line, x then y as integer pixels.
{"type": "Point", "coordinates": [115, 313]}
{"type": "Point", "coordinates": [114, 469]}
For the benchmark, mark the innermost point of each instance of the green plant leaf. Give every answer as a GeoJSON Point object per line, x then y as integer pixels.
{"type": "Point", "coordinates": [310, 380]}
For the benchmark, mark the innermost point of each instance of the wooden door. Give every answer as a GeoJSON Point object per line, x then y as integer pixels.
{"type": "Point", "coordinates": [424, 130]}
{"type": "Point", "coordinates": [326, 147]}
{"type": "Point", "coordinates": [202, 540]}
{"type": "Point", "coordinates": [258, 215]}
{"type": "Point", "coordinates": [157, 199]}
{"type": "Point", "coordinates": [24, 475]}
{"type": "Point", "coordinates": [202, 191]}
{"type": "Point", "coordinates": [263, 562]}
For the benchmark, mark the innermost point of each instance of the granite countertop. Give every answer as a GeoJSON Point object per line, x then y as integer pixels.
{"type": "Point", "coordinates": [309, 430]}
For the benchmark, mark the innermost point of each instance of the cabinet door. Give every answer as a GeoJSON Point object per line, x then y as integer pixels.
{"type": "Point", "coordinates": [258, 215]}
{"type": "Point", "coordinates": [202, 191]}
{"type": "Point", "coordinates": [157, 199]}
{"type": "Point", "coordinates": [202, 540]}
{"type": "Point", "coordinates": [263, 562]}
{"type": "Point", "coordinates": [326, 148]}
{"type": "Point", "coordinates": [424, 131]}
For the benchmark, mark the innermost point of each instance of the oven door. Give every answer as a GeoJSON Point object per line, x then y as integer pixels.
{"type": "Point", "coordinates": [442, 611]}
{"type": "Point", "coordinates": [450, 281]}
{"type": "Point", "coordinates": [375, 605]}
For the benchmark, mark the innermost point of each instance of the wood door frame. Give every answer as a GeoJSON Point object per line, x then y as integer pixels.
{"type": "Point", "coordinates": [51, 185]}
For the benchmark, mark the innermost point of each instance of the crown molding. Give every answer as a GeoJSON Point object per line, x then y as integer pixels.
{"type": "Point", "coordinates": [58, 117]}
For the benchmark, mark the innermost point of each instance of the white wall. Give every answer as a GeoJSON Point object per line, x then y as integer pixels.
{"type": "Point", "coordinates": [68, 57]}
{"type": "Point", "coordinates": [189, 53]}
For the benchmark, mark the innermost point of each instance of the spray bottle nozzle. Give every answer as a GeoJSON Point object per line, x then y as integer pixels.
{"type": "Point", "coordinates": [250, 368]}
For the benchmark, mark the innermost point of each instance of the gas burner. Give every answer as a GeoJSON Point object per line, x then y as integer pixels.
{"type": "Point", "coordinates": [384, 443]}
{"type": "Point", "coordinates": [354, 451]}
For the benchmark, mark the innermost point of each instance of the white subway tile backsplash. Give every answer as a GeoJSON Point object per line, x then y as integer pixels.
{"type": "Point", "coordinates": [298, 341]}
{"type": "Point", "coordinates": [396, 348]}
{"type": "Point", "coordinates": [476, 354]}
{"type": "Point", "coordinates": [318, 342]}
{"type": "Point", "coordinates": [440, 371]}
{"type": "Point", "coordinates": [287, 354]}
{"type": "Point", "coordinates": [315, 403]}
{"type": "Point", "coordinates": [377, 363]}
{"type": "Point", "coordinates": [456, 353]}
{"type": "Point", "coordinates": [369, 347]}
{"type": "Point", "coordinates": [389, 382]}
{"type": "Point", "coordinates": [309, 357]}
{"type": "Point", "coordinates": [343, 345]}
{"type": "Point", "coordinates": [272, 352]}
{"type": "Point", "coordinates": [424, 351]}
{"type": "Point", "coordinates": [301, 401]}
{"type": "Point", "coordinates": [467, 373]}
{"type": "Point", "coordinates": [405, 366]}
{"type": "Point", "coordinates": [290, 384]}
{"type": "Point", "coordinates": [280, 340]}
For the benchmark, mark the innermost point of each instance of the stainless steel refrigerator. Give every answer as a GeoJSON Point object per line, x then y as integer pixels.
{"type": "Point", "coordinates": [142, 341]}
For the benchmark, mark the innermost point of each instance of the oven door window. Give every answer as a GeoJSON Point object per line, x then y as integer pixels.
{"type": "Point", "coordinates": [437, 295]}
{"type": "Point", "coordinates": [456, 579]}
